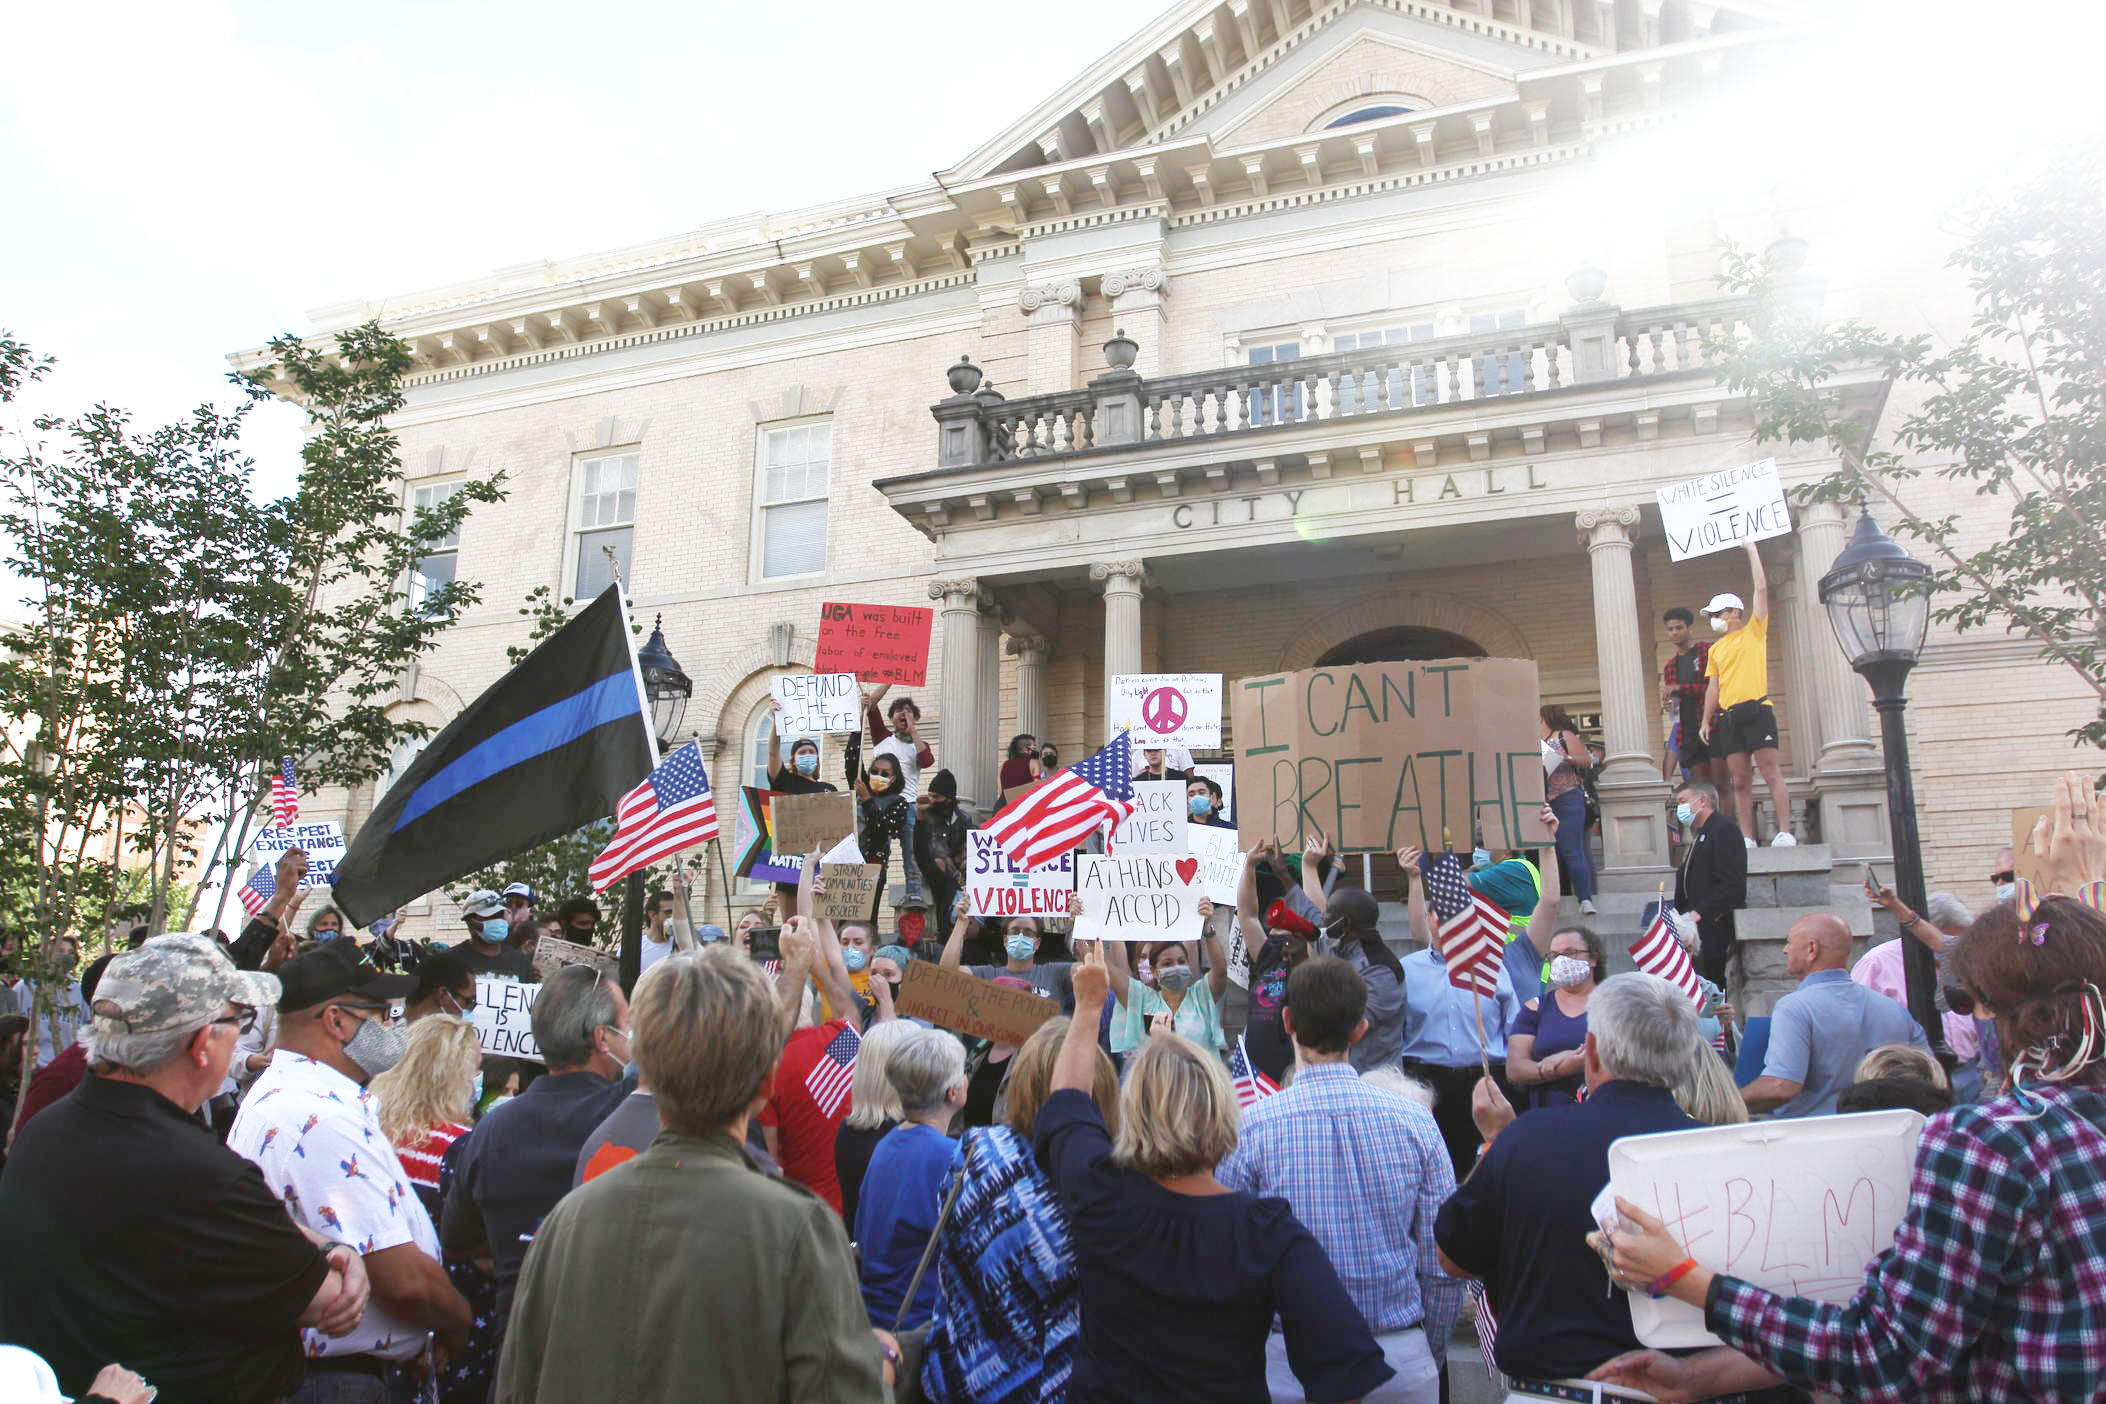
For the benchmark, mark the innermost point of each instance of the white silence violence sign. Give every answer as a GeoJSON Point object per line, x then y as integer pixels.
{"type": "Point", "coordinates": [1722, 510]}
{"type": "Point", "coordinates": [504, 1017]}
{"type": "Point", "coordinates": [995, 886]}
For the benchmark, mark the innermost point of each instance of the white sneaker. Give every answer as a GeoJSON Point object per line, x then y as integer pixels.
{"type": "Point", "coordinates": [1748, 841]}
{"type": "Point", "coordinates": [1586, 907]}
{"type": "Point", "coordinates": [1784, 841]}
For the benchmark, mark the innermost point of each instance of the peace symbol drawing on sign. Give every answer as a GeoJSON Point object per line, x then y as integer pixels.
{"type": "Point", "coordinates": [1164, 710]}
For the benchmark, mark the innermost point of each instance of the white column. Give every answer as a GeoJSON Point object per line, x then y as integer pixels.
{"type": "Point", "coordinates": [1137, 297]}
{"type": "Point", "coordinates": [1030, 652]}
{"type": "Point", "coordinates": [1052, 326]}
{"type": "Point", "coordinates": [1122, 619]}
{"type": "Point", "coordinates": [958, 696]}
{"type": "Point", "coordinates": [1849, 775]}
{"type": "Point", "coordinates": [987, 712]}
{"type": "Point", "coordinates": [1634, 828]}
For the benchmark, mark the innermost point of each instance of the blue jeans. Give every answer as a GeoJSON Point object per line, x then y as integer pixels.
{"type": "Point", "coordinates": [1571, 809]}
{"type": "Point", "coordinates": [344, 1387]}
{"type": "Point", "coordinates": [906, 857]}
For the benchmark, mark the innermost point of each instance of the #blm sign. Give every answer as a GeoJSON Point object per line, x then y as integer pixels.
{"type": "Point", "coordinates": [504, 1017]}
{"type": "Point", "coordinates": [1158, 822]}
{"type": "Point", "coordinates": [1797, 1207]}
{"type": "Point", "coordinates": [970, 1005]}
{"type": "Point", "coordinates": [815, 704]}
{"type": "Point", "coordinates": [1722, 510]}
{"type": "Point", "coordinates": [995, 886]}
{"type": "Point", "coordinates": [324, 844]}
{"type": "Point", "coordinates": [878, 643]}
{"type": "Point", "coordinates": [1388, 754]}
{"type": "Point", "coordinates": [1137, 899]}
{"type": "Point", "coordinates": [552, 953]}
{"type": "Point", "coordinates": [1159, 710]}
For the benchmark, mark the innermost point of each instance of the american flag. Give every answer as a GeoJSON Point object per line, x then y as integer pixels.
{"type": "Point", "coordinates": [1061, 813]}
{"type": "Point", "coordinates": [1250, 1083]}
{"type": "Point", "coordinates": [1659, 952]}
{"type": "Point", "coordinates": [672, 809]}
{"type": "Point", "coordinates": [257, 892]}
{"type": "Point", "coordinates": [1473, 928]}
{"type": "Point", "coordinates": [285, 795]}
{"type": "Point", "coordinates": [831, 1076]}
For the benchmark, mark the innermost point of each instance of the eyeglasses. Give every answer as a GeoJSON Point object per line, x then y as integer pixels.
{"type": "Point", "coordinates": [379, 1012]}
{"type": "Point", "coordinates": [2005, 876]}
{"type": "Point", "coordinates": [243, 1018]}
{"type": "Point", "coordinates": [460, 1005]}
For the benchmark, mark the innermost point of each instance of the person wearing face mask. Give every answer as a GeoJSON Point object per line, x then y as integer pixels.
{"type": "Point", "coordinates": [315, 1134]}
{"type": "Point", "coordinates": [325, 925]}
{"type": "Point", "coordinates": [1740, 726]}
{"type": "Point", "coordinates": [1544, 1061]}
{"type": "Point", "coordinates": [444, 986]}
{"type": "Point", "coordinates": [663, 933]}
{"type": "Point", "coordinates": [902, 742]}
{"type": "Point", "coordinates": [940, 841]}
{"type": "Point", "coordinates": [489, 949]}
{"type": "Point", "coordinates": [801, 775]}
{"type": "Point", "coordinates": [1020, 943]}
{"type": "Point", "coordinates": [1021, 766]}
{"type": "Point", "coordinates": [1712, 882]}
{"type": "Point", "coordinates": [1203, 800]}
{"type": "Point", "coordinates": [1187, 1002]}
{"type": "Point", "coordinates": [2003, 877]}
{"type": "Point", "coordinates": [884, 811]}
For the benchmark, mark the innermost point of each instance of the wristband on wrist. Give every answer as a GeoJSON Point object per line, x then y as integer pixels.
{"type": "Point", "coordinates": [1657, 1288]}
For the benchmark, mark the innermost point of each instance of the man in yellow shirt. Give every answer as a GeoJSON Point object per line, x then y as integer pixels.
{"type": "Point", "coordinates": [1746, 736]}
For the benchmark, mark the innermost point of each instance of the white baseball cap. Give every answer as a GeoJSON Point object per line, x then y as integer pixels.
{"type": "Point", "coordinates": [1725, 601]}
{"type": "Point", "coordinates": [483, 903]}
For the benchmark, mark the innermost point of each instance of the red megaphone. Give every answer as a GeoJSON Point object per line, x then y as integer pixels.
{"type": "Point", "coordinates": [1284, 918]}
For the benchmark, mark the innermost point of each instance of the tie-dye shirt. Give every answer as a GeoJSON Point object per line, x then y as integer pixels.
{"type": "Point", "coordinates": [316, 1136]}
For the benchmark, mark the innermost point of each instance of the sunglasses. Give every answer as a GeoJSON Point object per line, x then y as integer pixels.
{"type": "Point", "coordinates": [2005, 876]}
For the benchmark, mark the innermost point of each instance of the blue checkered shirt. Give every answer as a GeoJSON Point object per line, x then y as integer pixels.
{"type": "Point", "coordinates": [1995, 1287]}
{"type": "Point", "coordinates": [1365, 1171]}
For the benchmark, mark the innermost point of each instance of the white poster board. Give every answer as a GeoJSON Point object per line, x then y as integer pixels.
{"type": "Point", "coordinates": [1158, 821]}
{"type": "Point", "coordinates": [1150, 898]}
{"type": "Point", "coordinates": [995, 886]}
{"type": "Point", "coordinates": [1238, 956]}
{"type": "Point", "coordinates": [1797, 1207]}
{"type": "Point", "coordinates": [504, 1016]}
{"type": "Point", "coordinates": [1167, 709]}
{"type": "Point", "coordinates": [1220, 861]}
{"type": "Point", "coordinates": [324, 844]}
{"type": "Point", "coordinates": [814, 704]}
{"type": "Point", "coordinates": [1722, 510]}
{"type": "Point", "coordinates": [1222, 773]}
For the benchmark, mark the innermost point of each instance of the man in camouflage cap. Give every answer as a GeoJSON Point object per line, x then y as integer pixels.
{"type": "Point", "coordinates": [174, 982]}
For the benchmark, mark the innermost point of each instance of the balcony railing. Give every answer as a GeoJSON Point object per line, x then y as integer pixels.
{"type": "Point", "coordinates": [1590, 345]}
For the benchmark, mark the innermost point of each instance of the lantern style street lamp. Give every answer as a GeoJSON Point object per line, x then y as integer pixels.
{"type": "Point", "coordinates": [667, 689]}
{"type": "Point", "coordinates": [1877, 602]}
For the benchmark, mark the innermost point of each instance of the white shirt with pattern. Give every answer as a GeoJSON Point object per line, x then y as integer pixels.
{"type": "Point", "coordinates": [316, 1136]}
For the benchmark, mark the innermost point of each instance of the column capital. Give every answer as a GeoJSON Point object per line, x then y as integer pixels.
{"type": "Point", "coordinates": [1052, 299]}
{"type": "Point", "coordinates": [965, 592]}
{"type": "Point", "coordinates": [1130, 574]}
{"type": "Point", "coordinates": [1029, 648]}
{"type": "Point", "coordinates": [1122, 281]}
{"type": "Point", "coordinates": [1607, 526]}
{"type": "Point", "coordinates": [1820, 514]}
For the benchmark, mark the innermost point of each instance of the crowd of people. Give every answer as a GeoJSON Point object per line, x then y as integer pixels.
{"type": "Point", "coordinates": [1284, 1159]}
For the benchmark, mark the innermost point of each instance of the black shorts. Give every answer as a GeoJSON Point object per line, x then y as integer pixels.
{"type": "Point", "coordinates": [1692, 750]}
{"type": "Point", "coordinates": [1744, 728]}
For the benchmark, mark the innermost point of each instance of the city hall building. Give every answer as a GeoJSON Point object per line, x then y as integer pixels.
{"type": "Point", "coordinates": [1278, 338]}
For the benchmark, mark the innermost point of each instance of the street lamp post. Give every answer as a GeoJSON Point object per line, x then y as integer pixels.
{"type": "Point", "coordinates": [1876, 601]}
{"type": "Point", "coordinates": [667, 689]}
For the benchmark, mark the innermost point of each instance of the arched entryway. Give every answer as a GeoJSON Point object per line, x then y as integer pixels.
{"type": "Point", "coordinates": [1400, 643]}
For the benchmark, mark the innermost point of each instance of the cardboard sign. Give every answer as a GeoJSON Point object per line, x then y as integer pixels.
{"type": "Point", "coordinates": [1158, 821]}
{"type": "Point", "coordinates": [814, 704]}
{"type": "Point", "coordinates": [1798, 1207]}
{"type": "Point", "coordinates": [1387, 754]}
{"type": "Point", "coordinates": [1167, 709]}
{"type": "Point", "coordinates": [1720, 511]}
{"type": "Point", "coordinates": [2023, 860]}
{"type": "Point", "coordinates": [504, 1017]}
{"type": "Point", "coordinates": [995, 886]}
{"type": "Point", "coordinates": [878, 643]}
{"type": "Point", "coordinates": [324, 844]}
{"type": "Point", "coordinates": [1238, 956]}
{"type": "Point", "coordinates": [1137, 899]}
{"type": "Point", "coordinates": [801, 823]}
{"type": "Point", "coordinates": [1220, 858]}
{"type": "Point", "coordinates": [967, 1004]}
{"type": "Point", "coordinates": [1222, 773]}
{"type": "Point", "coordinates": [851, 891]}
{"type": "Point", "coordinates": [552, 953]}
{"type": "Point", "coordinates": [753, 840]}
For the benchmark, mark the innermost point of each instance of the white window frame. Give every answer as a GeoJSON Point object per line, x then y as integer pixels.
{"type": "Point", "coordinates": [753, 770]}
{"type": "Point", "coordinates": [758, 526]}
{"type": "Point", "coordinates": [439, 491]}
{"type": "Point", "coordinates": [578, 527]}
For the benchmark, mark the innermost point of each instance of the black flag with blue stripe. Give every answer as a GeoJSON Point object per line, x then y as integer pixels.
{"type": "Point", "coordinates": [551, 746]}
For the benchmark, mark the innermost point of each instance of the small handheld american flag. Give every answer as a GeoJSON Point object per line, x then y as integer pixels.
{"type": "Point", "coordinates": [1472, 926]}
{"type": "Point", "coordinates": [1658, 952]}
{"type": "Point", "coordinates": [831, 1077]}
{"type": "Point", "coordinates": [285, 795]}
{"type": "Point", "coordinates": [1250, 1083]}
{"type": "Point", "coordinates": [672, 809]}
{"type": "Point", "coordinates": [1060, 814]}
{"type": "Point", "coordinates": [256, 893]}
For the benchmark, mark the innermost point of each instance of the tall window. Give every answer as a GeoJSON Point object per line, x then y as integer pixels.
{"type": "Point", "coordinates": [790, 499]}
{"type": "Point", "coordinates": [757, 733]}
{"type": "Point", "coordinates": [1501, 375]}
{"type": "Point", "coordinates": [1360, 392]}
{"type": "Point", "coordinates": [438, 567]}
{"type": "Point", "coordinates": [1267, 404]}
{"type": "Point", "coordinates": [605, 520]}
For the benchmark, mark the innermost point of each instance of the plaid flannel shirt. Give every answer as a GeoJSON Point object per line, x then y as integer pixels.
{"type": "Point", "coordinates": [1366, 1172]}
{"type": "Point", "coordinates": [1683, 690]}
{"type": "Point", "coordinates": [1995, 1287]}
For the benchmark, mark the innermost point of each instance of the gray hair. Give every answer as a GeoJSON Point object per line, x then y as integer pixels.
{"type": "Point", "coordinates": [1948, 913]}
{"type": "Point", "coordinates": [1399, 1083]}
{"type": "Point", "coordinates": [1642, 1028]}
{"type": "Point", "coordinates": [924, 1067]}
{"type": "Point", "coordinates": [1702, 789]}
{"type": "Point", "coordinates": [110, 1050]}
{"type": "Point", "coordinates": [872, 1102]}
{"type": "Point", "coordinates": [573, 1002]}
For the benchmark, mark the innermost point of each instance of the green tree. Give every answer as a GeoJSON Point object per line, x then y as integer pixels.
{"type": "Point", "coordinates": [2016, 410]}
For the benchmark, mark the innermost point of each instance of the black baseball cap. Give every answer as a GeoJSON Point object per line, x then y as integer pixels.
{"type": "Point", "coordinates": [332, 971]}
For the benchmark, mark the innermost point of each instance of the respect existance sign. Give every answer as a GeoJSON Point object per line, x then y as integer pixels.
{"type": "Point", "coordinates": [324, 844]}
{"type": "Point", "coordinates": [1722, 510]}
{"type": "Point", "coordinates": [1385, 755]}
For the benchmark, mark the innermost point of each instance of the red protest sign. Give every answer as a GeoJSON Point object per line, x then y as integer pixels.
{"type": "Point", "coordinates": [878, 643]}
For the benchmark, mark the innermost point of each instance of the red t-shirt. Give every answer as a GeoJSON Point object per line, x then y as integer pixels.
{"type": "Point", "coordinates": [805, 1135]}
{"type": "Point", "coordinates": [54, 1080]}
{"type": "Point", "coordinates": [421, 1161]}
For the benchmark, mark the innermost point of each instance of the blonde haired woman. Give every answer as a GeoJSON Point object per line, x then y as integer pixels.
{"type": "Point", "coordinates": [426, 1099]}
{"type": "Point", "coordinates": [873, 1111]}
{"type": "Point", "coordinates": [1182, 1276]}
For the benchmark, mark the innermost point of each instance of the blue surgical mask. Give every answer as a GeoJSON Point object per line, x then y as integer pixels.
{"type": "Point", "coordinates": [327, 933]}
{"type": "Point", "coordinates": [1684, 814]}
{"type": "Point", "coordinates": [497, 929]}
{"type": "Point", "coordinates": [1200, 805]}
{"type": "Point", "coordinates": [806, 763]}
{"type": "Point", "coordinates": [2005, 891]}
{"type": "Point", "coordinates": [1480, 859]}
{"type": "Point", "coordinates": [1020, 947]}
{"type": "Point", "coordinates": [854, 959]}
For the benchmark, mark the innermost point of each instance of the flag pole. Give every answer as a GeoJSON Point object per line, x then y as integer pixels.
{"type": "Point", "coordinates": [631, 959]}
